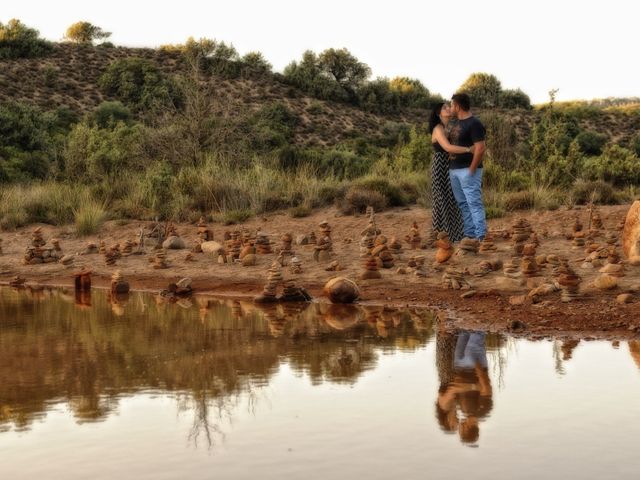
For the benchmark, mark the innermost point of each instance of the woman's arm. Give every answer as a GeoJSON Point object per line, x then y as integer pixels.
{"type": "Point", "coordinates": [441, 138]}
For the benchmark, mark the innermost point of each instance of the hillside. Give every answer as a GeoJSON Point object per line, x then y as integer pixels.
{"type": "Point", "coordinates": [69, 76]}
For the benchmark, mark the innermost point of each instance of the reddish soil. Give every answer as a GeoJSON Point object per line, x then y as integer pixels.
{"type": "Point", "coordinates": [495, 306]}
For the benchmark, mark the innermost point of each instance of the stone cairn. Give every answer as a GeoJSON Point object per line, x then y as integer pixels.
{"type": "Point", "coordinates": [285, 246]}
{"type": "Point", "coordinates": [416, 266]}
{"type": "Point", "coordinates": [370, 269]}
{"type": "Point", "coordinates": [453, 278]}
{"type": "Point", "coordinates": [569, 282]}
{"type": "Point", "coordinates": [468, 246]}
{"type": "Point", "coordinates": [112, 254]}
{"type": "Point", "coordinates": [118, 284]}
{"type": "Point", "coordinates": [432, 238]}
{"type": "Point", "coordinates": [103, 248]}
{"type": "Point", "coordinates": [263, 246]}
{"type": "Point", "coordinates": [414, 238]}
{"type": "Point", "coordinates": [596, 219]}
{"type": "Point", "coordinates": [160, 260]}
{"type": "Point", "coordinates": [0, 246]}
{"type": "Point", "coordinates": [394, 245]}
{"type": "Point", "coordinates": [296, 265]}
{"type": "Point", "coordinates": [233, 246]}
{"type": "Point", "coordinates": [487, 245]}
{"type": "Point", "coordinates": [444, 246]}
{"type": "Point", "coordinates": [381, 252]}
{"type": "Point", "coordinates": [312, 238]}
{"type": "Point", "coordinates": [520, 234]}
{"type": "Point", "coordinates": [368, 237]}
{"type": "Point", "coordinates": [324, 245]}
{"type": "Point", "coordinates": [128, 247]}
{"type": "Point", "coordinates": [529, 265]}
{"type": "Point", "coordinates": [38, 252]}
{"type": "Point", "coordinates": [578, 235]}
{"type": "Point", "coordinates": [270, 290]}
{"type": "Point", "coordinates": [613, 266]}
{"type": "Point", "coordinates": [203, 232]}
{"type": "Point", "coordinates": [611, 238]}
{"type": "Point", "coordinates": [511, 268]}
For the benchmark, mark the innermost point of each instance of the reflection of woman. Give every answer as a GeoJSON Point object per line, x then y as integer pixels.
{"type": "Point", "coordinates": [468, 387]}
{"type": "Point", "coordinates": [446, 216]}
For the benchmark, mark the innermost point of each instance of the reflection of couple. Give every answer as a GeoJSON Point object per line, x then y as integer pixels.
{"type": "Point", "coordinates": [456, 170]}
{"type": "Point", "coordinates": [464, 383]}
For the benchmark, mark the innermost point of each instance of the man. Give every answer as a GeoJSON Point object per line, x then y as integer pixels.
{"type": "Point", "coordinates": [465, 170]}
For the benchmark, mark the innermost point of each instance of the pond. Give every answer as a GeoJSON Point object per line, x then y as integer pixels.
{"type": "Point", "coordinates": [93, 387]}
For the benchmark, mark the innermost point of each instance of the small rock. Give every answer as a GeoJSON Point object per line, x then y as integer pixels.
{"type": "Point", "coordinates": [211, 247]}
{"type": "Point", "coordinates": [342, 290]}
{"type": "Point", "coordinates": [249, 260]}
{"type": "Point", "coordinates": [184, 283]}
{"type": "Point", "coordinates": [468, 294]}
{"type": "Point", "coordinates": [67, 260]}
{"type": "Point", "coordinates": [517, 300]}
{"type": "Point", "coordinates": [173, 243]}
{"type": "Point", "coordinates": [624, 298]}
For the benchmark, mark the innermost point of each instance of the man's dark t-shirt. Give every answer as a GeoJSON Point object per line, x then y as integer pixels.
{"type": "Point", "coordinates": [465, 133]}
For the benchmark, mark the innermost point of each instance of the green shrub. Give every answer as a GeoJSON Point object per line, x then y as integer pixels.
{"type": "Point", "coordinates": [139, 84]}
{"type": "Point", "coordinates": [492, 211]}
{"type": "Point", "coordinates": [358, 198]}
{"type": "Point", "coordinates": [108, 114]}
{"type": "Point", "coordinates": [394, 196]}
{"type": "Point", "coordinates": [596, 191]}
{"type": "Point", "coordinates": [514, 99]}
{"type": "Point", "coordinates": [300, 211]}
{"type": "Point", "coordinates": [591, 143]}
{"type": "Point", "coordinates": [232, 217]}
{"type": "Point", "coordinates": [89, 217]}
{"type": "Point", "coordinates": [635, 145]}
{"type": "Point", "coordinates": [616, 165]}
{"type": "Point", "coordinates": [523, 200]}
{"type": "Point", "coordinates": [19, 41]}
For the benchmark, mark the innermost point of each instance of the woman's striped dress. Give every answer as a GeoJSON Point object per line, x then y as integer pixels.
{"type": "Point", "coordinates": [446, 216]}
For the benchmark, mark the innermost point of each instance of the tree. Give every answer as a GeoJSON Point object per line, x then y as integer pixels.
{"type": "Point", "coordinates": [19, 41]}
{"type": "Point", "coordinates": [344, 68]}
{"type": "Point", "coordinates": [484, 90]}
{"type": "Point", "coordinates": [310, 78]}
{"type": "Point", "coordinates": [515, 99]}
{"type": "Point", "coordinates": [85, 32]}
{"type": "Point", "coordinates": [254, 62]}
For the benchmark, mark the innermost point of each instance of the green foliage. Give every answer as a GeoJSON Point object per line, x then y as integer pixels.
{"type": "Point", "coordinates": [391, 96]}
{"type": "Point", "coordinates": [596, 191]}
{"type": "Point", "coordinates": [108, 114]}
{"type": "Point", "coordinates": [93, 153]}
{"type": "Point", "coordinates": [591, 143]}
{"type": "Point", "coordinates": [300, 211]}
{"type": "Point", "coordinates": [271, 127]}
{"type": "Point", "coordinates": [19, 41]}
{"type": "Point", "coordinates": [139, 84]}
{"type": "Point", "coordinates": [635, 144]}
{"type": "Point", "coordinates": [344, 68]}
{"type": "Point", "coordinates": [501, 139]}
{"type": "Point", "coordinates": [416, 154]}
{"type": "Point", "coordinates": [616, 165]}
{"type": "Point", "coordinates": [484, 90]}
{"type": "Point", "coordinates": [514, 99]}
{"type": "Point", "coordinates": [358, 198]}
{"type": "Point", "coordinates": [254, 63]}
{"type": "Point", "coordinates": [308, 76]}
{"type": "Point", "coordinates": [523, 200]}
{"type": "Point", "coordinates": [393, 194]}
{"type": "Point", "coordinates": [89, 216]}
{"type": "Point", "coordinates": [85, 33]}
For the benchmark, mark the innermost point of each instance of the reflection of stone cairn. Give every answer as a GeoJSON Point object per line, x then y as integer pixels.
{"type": "Point", "coordinates": [203, 232]}
{"type": "Point", "coordinates": [274, 277]}
{"type": "Point", "coordinates": [578, 234]}
{"type": "Point", "coordinates": [445, 249]}
{"type": "Point", "coordinates": [118, 284]}
{"type": "Point", "coordinates": [487, 245]}
{"type": "Point", "coordinates": [160, 260]}
{"type": "Point", "coordinates": [468, 246]}
{"type": "Point", "coordinates": [263, 246]}
{"type": "Point", "coordinates": [520, 234]}
{"type": "Point", "coordinates": [322, 249]}
{"type": "Point", "coordinates": [370, 269]}
{"type": "Point", "coordinates": [454, 278]}
{"type": "Point", "coordinates": [613, 266]}
{"type": "Point", "coordinates": [569, 282]}
{"type": "Point", "coordinates": [414, 238]}
{"type": "Point", "coordinates": [296, 265]}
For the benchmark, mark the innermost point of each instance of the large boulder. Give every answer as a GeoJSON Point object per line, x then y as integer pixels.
{"type": "Point", "coordinates": [173, 243]}
{"type": "Point", "coordinates": [631, 234]}
{"type": "Point", "coordinates": [342, 290]}
{"type": "Point", "coordinates": [211, 247]}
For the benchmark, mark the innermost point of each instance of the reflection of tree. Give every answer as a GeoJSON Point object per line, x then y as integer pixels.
{"type": "Point", "coordinates": [212, 353]}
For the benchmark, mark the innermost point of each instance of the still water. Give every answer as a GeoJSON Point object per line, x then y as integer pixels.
{"type": "Point", "coordinates": [136, 388]}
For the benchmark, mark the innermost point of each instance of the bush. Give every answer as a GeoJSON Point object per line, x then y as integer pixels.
{"type": "Point", "coordinates": [514, 99]}
{"type": "Point", "coordinates": [108, 114]}
{"type": "Point", "coordinates": [492, 211]}
{"type": "Point", "coordinates": [357, 199]}
{"type": "Point", "coordinates": [393, 195]}
{"type": "Point", "coordinates": [597, 191]}
{"type": "Point", "coordinates": [19, 41]}
{"type": "Point", "coordinates": [89, 217]}
{"type": "Point", "coordinates": [519, 201]}
{"type": "Point", "coordinates": [591, 143]}
{"type": "Point", "coordinates": [85, 32]}
{"type": "Point", "coordinates": [300, 211]}
{"type": "Point", "coordinates": [139, 84]}
{"type": "Point", "coordinates": [232, 217]}
{"type": "Point", "coordinates": [635, 145]}
{"type": "Point", "coordinates": [484, 90]}
{"type": "Point", "coordinates": [616, 165]}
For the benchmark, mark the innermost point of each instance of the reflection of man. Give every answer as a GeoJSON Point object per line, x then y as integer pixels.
{"type": "Point", "coordinates": [469, 386]}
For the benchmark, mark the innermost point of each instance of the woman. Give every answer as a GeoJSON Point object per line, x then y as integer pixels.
{"type": "Point", "coordinates": [446, 215]}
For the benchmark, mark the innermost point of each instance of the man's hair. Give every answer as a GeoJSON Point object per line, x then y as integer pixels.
{"type": "Point", "coordinates": [462, 100]}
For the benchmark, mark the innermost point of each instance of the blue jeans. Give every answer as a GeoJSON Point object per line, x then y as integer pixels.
{"type": "Point", "coordinates": [467, 190]}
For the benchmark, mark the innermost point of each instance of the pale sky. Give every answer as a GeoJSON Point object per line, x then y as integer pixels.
{"type": "Point", "coordinates": [586, 49]}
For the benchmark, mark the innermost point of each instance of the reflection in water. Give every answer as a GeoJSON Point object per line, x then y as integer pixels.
{"type": "Point", "coordinates": [92, 349]}
{"type": "Point", "coordinates": [465, 395]}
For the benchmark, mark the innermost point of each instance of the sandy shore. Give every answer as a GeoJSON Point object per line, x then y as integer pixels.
{"type": "Point", "coordinates": [497, 304]}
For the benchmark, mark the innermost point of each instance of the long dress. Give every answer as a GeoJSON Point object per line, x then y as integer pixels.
{"type": "Point", "coordinates": [446, 216]}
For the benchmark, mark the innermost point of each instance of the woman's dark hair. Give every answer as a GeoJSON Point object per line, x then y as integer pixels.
{"type": "Point", "coordinates": [434, 118]}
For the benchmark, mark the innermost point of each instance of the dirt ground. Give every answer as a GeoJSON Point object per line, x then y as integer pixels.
{"type": "Point", "coordinates": [497, 304]}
